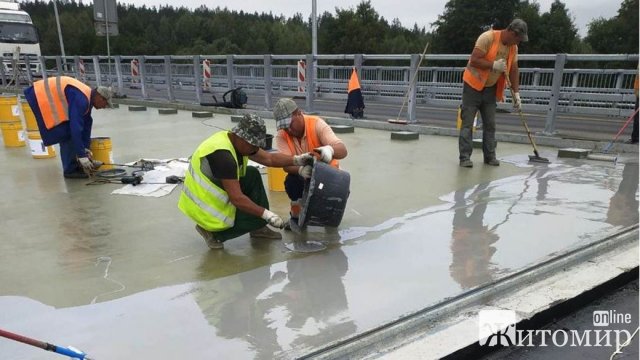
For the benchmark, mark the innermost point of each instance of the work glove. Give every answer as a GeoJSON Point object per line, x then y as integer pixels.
{"type": "Point", "coordinates": [89, 153]}
{"type": "Point", "coordinates": [326, 153]}
{"type": "Point", "coordinates": [273, 219]}
{"type": "Point", "coordinates": [86, 165]}
{"type": "Point", "coordinates": [305, 171]}
{"type": "Point", "coordinates": [517, 104]}
{"type": "Point", "coordinates": [303, 159]}
{"type": "Point", "coordinates": [499, 66]}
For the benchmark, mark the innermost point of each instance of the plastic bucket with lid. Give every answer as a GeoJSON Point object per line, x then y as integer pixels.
{"type": "Point", "coordinates": [9, 111]}
{"type": "Point", "coordinates": [275, 178]}
{"type": "Point", "coordinates": [38, 149]}
{"type": "Point", "coordinates": [12, 134]}
{"type": "Point", "coordinates": [325, 196]}
{"type": "Point", "coordinates": [102, 151]}
{"type": "Point", "coordinates": [29, 118]}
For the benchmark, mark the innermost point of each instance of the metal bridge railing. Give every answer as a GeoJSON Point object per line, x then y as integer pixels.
{"type": "Point", "coordinates": [547, 83]}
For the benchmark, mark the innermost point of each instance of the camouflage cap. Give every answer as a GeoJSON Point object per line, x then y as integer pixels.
{"type": "Point", "coordinates": [252, 130]}
{"type": "Point", "coordinates": [282, 111]}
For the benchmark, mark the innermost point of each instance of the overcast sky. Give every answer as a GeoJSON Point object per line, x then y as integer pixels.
{"type": "Point", "coordinates": [422, 12]}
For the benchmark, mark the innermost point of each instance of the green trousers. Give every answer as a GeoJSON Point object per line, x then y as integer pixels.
{"type": "Point", "coordinates": [252, 186]}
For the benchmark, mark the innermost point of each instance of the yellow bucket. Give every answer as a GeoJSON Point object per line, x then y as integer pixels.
{"type": "Point", "coordinates": [12, 134]}
{"type": "Point", "coordinates": [38, 150]}
{"type": "Point", "coordinates": [29, 118]}
{"type": "Point", "coordinates": [275, 178]}
{"type": "Point", "coordinates": [459, 120]}
{"type": "Point", "coordinates": [9, 111]}
{"type": "Point", "coordinates": [101, 149]}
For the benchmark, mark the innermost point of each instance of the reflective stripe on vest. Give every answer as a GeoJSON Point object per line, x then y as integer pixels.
{"type": "Point", "coordinates": [477, 78]}
{"type": "Point", "coordinates": [312, 137]}
{"type": "Point", "coordinates": [203, 201]}
{"type": "Point", "coordinates": [52, 100]}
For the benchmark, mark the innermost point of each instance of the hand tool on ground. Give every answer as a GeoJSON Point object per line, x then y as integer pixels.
{"type": "Point", "coordinates": [536, 157]}
{"type": "Point", "coordinates": [609, 145]}
{"type": "Point", "coordinates": [67, 351]}
{"type": "Point", "coordinates": [406, 96]}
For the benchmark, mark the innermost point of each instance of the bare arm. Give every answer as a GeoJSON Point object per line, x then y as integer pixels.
{"type": "Point", "coordinates": [477, 60]}
{"type": "Point", "coordinates": [514, 77]}
{"type": "Point", "coordinates": [240, 200]}
{"type": "Point", "coordinates": [272, 159]}
{"type": "Point", "coordinates": [339, 151]}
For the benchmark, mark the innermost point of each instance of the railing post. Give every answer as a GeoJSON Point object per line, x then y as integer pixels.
{"type": "Point", "coordinates": [3, 76]}
{"type": "Point", "coordinates": [169, 77]}
{"type": "Point", "coordinates": [76, 66]}
{"type": "Point", "coordinates": [411, 101]}
{"type": "Point", "coordinates": [96, 69]}
{"type": "Point", "coordinates": [230, 79]}
{"type": "Point", "coordinates": [59, 69]}
{"type": "Point", "coordinates": [197, 72]}
{"type": "Point", "coordinates": [143, 72]}
{"type": "Point", "coordinates": [268, 86]}
{"type": "Point", "coordinates": [118, 65]}
{"type": "Point", "coordinates": [27, 65]}
{"type": "Point", "coordinates": [310, 83]}
{"type": "Point", "coordinates": [556, 84]}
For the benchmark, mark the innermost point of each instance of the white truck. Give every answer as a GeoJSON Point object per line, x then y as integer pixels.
{"type": "Point", "coordinates": [18, 36]}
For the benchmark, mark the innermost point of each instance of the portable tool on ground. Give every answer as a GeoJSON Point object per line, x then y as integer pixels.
{"type": "Point", "coordinates": [536, 156]}
{"type": "Point", "coordinates": [66, 351]}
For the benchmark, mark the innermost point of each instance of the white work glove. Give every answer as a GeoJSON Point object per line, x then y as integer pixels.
{"type": "Point", "coordinates": [302, 160]}
{"type": "Point", "coordinates": [517, 103]}
{"type": "Point", "coordinates": [273, 219]}
{"type": "Point", "coordinates": [326, 153]}
{"type": "Point", "coordinates": [305, 171]}
{"type": "Point", "coordinates": [499, 66]}
{"type": "Point", "coordinates": [89, 153]}
{"type": "Point", "coordinates": [86, 164]}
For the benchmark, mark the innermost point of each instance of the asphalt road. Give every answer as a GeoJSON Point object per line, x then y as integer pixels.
{"type": "Point", "coordinates": [571, 126]}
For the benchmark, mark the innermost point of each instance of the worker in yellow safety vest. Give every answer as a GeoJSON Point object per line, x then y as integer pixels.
{"type": "Point", "coordinates": [225, 196]}
{"type": "Point", "coordinates": [494, 56]}
{"type": "Point", "coordinates": [62, 107]}
{"type": "Point", "coordinates": [300, 133]}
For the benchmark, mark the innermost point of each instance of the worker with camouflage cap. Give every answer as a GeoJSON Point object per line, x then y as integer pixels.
{"type": "Point", "coordinates": [225, 197]}
{"type": "Point", "coordinates": [299, 133]}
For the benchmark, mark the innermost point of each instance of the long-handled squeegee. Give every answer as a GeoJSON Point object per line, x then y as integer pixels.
{"type": "Point", "coordinates": [536, 156]}
{"type": "Point", "coordinates": [67, 351]}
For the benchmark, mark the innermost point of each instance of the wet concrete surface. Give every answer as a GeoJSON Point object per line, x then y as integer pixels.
{"type": "Point", "coordinates": [128, 277]}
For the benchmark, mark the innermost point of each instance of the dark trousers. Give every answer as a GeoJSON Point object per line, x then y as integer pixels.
{"type": "Point", "coordinates": [252, 186]}
{"type": "Point", "coordinates": [472, 102]}
{"type": "Point", "coordinates": [68, 157]}
{"type": "Point", "coordinates": [294, 186]}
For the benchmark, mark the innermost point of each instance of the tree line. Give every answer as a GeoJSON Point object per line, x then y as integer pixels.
{"type": "Point", "coordinates": [181, 31]}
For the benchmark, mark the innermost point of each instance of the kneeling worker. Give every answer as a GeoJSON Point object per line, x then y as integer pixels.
{"type": "Point", "coordinates": [62, 107]}
{"type": "Point", "coordinates": [300, 133]}
{"type": "Point", "coordinates": [225, 197]}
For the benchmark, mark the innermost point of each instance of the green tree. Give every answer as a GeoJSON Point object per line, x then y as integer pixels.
{"type": "Point", "coordinates": [617, 35]}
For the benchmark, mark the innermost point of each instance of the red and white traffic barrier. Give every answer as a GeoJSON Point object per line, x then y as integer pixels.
{"type": "Point", "coordinates": [81, 70]}
{"type": "Point", "coordinates": [135, 72]}
{"type": "Point", "coordinates": [301, 73]}
{"type": "Point", "coordinates": [206, 75]}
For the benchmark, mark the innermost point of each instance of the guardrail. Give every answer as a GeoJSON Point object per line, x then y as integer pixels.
{"type": "Point", "coordinates": [552, 87]}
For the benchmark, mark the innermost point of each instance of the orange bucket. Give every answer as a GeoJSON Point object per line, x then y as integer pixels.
{"type": "Point", "coordinates": [38, 150]}
{"type": "Point", "coordinates": [12, 134]}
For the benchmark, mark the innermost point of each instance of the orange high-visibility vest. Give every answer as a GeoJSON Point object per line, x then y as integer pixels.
{"type": "Point", "coordinates": [52, 100]}
{"type": "Point", "coordinates": [312, 137]}
{"type": "Point", "coordinates": [476, 78]}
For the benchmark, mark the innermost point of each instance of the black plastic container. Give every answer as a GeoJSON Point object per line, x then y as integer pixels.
{"type": "Point", "coordinates": [268, 142]}
{"type": "Point", "coordinates": [325, 196]}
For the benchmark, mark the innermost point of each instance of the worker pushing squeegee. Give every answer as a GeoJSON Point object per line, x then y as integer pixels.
{"type": "Point", "coordinates": [494, 59]}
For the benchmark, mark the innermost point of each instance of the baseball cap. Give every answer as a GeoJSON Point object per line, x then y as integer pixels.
{"type": "Point", "coordinates": [251, 129]}
{"type": "Point", "coordinates": [519, 27]}
{"type": "Point", "coordinates": [107, 93]}
{"type": "Point", "coordinates": [282, 111]}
